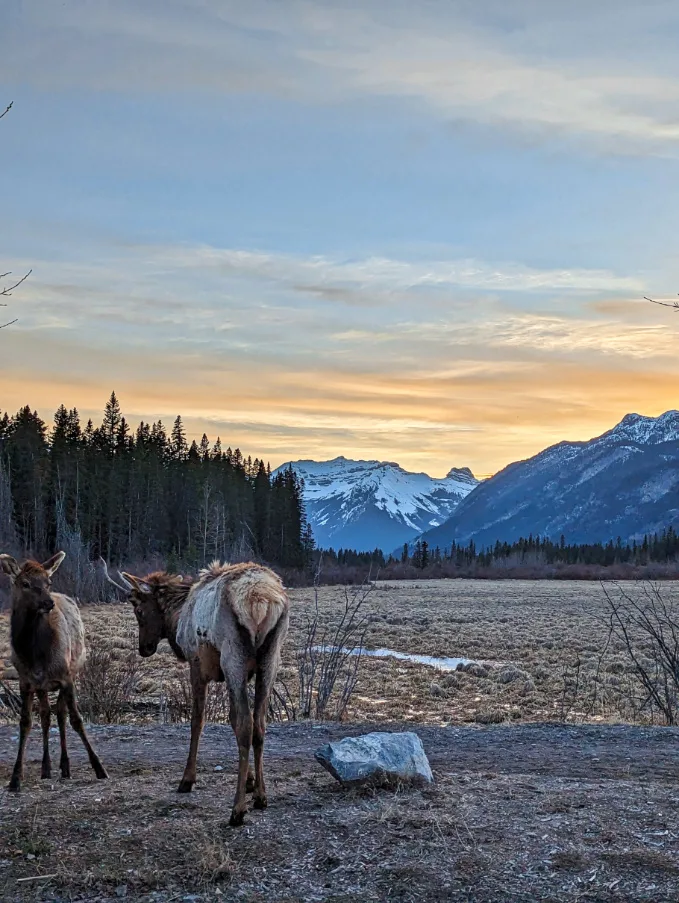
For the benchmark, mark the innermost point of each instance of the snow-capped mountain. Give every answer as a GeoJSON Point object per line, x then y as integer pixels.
{"type": "Point", "coordinates": [375, 504]}
{"type": "Point", "coordinates": [624, 483]}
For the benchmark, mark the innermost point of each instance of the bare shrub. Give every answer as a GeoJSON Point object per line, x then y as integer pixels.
{"type": "Point", "coordinates": [328, 663]}
{"type": "Point", "coordinates": [78, 576]}
{"type": "Point", "coordinates": [107, 683]}
{"type": "Point", "coordinates": [10, 701]}
{"type": "Point", "coordinates": [646, 625]}
{"type": "Point", "coordinates": [177, 701]}
{"type": "Point", "coordinates": [570, 687]}
{"type": "Point", "coordinates": [282, 706]}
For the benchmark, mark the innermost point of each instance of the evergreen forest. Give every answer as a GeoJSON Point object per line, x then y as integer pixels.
{"type": "Point", "coordinates": [142, 495]}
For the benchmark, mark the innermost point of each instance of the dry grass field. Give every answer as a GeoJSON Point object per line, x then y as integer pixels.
{"type": "Point", "coordinates": [519, 811]}
{"type": "Point", "coordinates": [539, 646]}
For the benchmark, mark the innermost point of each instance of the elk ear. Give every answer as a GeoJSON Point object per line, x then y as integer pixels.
{"type": "Point", "coordinates": [136, 582]}
{"type": "Point", "coordinates": [52, 564]}
{"type": "Point", "coordinates": [9, 566]}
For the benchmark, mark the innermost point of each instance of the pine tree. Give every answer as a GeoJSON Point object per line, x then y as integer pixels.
{"type": "Point", "coordinates": [178, 445]}
{"type": "Point", "coordinates": [111, 424]}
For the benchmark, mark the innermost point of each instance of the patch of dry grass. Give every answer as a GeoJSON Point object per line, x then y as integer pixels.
{"type": "Point", "coordinates": [542, 642]}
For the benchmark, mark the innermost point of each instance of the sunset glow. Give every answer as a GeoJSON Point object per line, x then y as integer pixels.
{"type": "Point", "coordinates": [419, 233]}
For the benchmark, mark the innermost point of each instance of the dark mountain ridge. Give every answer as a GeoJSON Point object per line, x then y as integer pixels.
{"type": "Point", "coordinates": [623, 483]}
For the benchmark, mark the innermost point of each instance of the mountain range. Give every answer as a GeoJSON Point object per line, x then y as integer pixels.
{"type": "Point", "coordinates": [365, 505]}
{"type": "Point", "coordinates": [623, 483]}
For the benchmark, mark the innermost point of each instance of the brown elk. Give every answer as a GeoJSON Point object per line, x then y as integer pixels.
{"type": "Point", "coordinates": [230, 625]}
{"type": "Point", "coordinates": [48, 650]}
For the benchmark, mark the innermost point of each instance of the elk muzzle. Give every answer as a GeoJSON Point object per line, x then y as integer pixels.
{"type": "Point", "coordinates": [46, 605]}
{"type": "Point", "coordinates": [147, 649]}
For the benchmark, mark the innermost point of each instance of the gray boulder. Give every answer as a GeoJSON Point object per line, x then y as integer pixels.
{"type": "Point", "coordinates": [376, 758]}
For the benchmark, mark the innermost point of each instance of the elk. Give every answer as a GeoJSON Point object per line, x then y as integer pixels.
{"type": "Point", "coordinates": [48, 650]}
{"type": "Point", "coordinates": [229, 625]}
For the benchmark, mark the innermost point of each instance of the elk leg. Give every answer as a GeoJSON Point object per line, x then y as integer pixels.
{"type": "Point", "coordinates": [25, 723]}
{"type": "Point", "coordinates": [79, 728]}
{"type": "Point", "coordinates": [199, 690]}
{"type": "Point", "coordinates": [62, 713]}
{"type": "Point", "coordinates": [45, 716]}
{"type": "Point", "coordinates": [263, 684]}
{"type": "Point", "coordinates": [266, 677]}
{"type": "Point", "coordinates": [240, 717]}
{"type": "Point", "coordinates": [250, 781]}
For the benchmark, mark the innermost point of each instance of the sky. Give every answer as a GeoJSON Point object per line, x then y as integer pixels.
{"type": "Point", "coordinates": [417, 232]}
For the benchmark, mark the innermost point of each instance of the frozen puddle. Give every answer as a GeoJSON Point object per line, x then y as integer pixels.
{"type": "Point", "coordinates": [442, 664]}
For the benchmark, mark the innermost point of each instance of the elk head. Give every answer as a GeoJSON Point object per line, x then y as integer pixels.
{"type": "Point", "coordinates": [147, 596]}
{"type": "Point", "coordinates": [145, 599]}
{"type": "Point", "coordinates": [31, 582]}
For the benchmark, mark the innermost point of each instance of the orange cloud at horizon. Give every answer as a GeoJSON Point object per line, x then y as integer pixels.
{"type": "Point", "coordinates": [430, 423]}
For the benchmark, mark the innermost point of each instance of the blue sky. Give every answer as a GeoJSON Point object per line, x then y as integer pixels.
{"type": "Point", "coordinates": [419, 232]}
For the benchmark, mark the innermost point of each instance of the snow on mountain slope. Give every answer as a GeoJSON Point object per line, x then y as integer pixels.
{"type": "Point", "coordinates": [375, 504]}
{"type": "Point", "coordinates": [623, 483]}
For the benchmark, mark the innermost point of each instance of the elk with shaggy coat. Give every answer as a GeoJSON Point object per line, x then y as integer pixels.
{"type": "Point", "coordinates": [230, 625]}
{"type": "Point", "coordinates": [48, 650]}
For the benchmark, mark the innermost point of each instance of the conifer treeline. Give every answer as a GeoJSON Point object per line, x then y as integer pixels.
{"type": "Point", "coordinates": [143, 495]}
{"type": "Point", "coordinates": [658, 548]}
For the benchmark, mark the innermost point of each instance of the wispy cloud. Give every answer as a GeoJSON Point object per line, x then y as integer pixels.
{"type": "Point", "coordinates": [332, 277]}
{"type": "Point", "coordinates": [287, 378]}
{"type": "Point", "coordinates": [540, 71]}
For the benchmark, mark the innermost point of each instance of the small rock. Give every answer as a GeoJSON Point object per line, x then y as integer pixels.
{"type": "Point", "coordinates": [121, 890]}
{"type": "Point", "coordinates": [378, 757]}
{"type": "Point", "coordinates": [218, 768]}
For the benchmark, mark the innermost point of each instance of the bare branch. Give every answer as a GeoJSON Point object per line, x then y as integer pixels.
{"type": "Point", "coordinates": [674, 305]}
{"type": "Point", "coordinates": [10, 288]}
{"type": "Point", "coordinates": [8, 291]}
{"type": "Point", "coordinates": [649, 632]}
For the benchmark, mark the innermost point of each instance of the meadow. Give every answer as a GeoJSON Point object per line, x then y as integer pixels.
{"type": "Point", "coordinates": [538, 646]}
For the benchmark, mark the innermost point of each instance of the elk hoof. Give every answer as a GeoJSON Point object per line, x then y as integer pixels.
{"type": "Point", "coordinates": [65, 768]}
{"type": "Point", "coordinates": [101, 773]}
{"type": "Point", "coordinates": [237, 817]}
{"type": "Point", "coordinates": [46, 772]}
{"type": "Point", "coordinates": [260, 802]}
{"type": "Point", "coordinates": [14, 785]}
{"type": "Point", "coordinates": [185, 786]}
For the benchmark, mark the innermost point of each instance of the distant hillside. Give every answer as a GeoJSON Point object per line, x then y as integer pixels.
{"type": "Point", "coordinates": [375, 504]}
{"type": "Point", "coordinates": [624, 483]}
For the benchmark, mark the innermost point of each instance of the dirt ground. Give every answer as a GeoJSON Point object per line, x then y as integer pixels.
{"type": "Point", "coordinates": [523, 808]}
{"type": "Point", "coordinates": [521, 813]}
